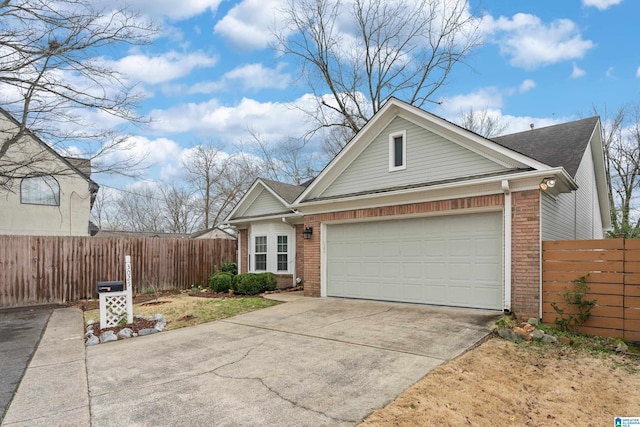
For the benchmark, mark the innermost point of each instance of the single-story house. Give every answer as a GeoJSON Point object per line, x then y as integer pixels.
{"type": "Point", "coordinates": [417, 209]}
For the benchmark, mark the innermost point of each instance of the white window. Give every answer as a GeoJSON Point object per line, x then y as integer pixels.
{"type": "Point", "coordinates": [261, 253]}
{"type": "Point", "coordinates": [283, 253]}
{"type": "Point", "coordinates": [40, 190]}
{"type": "Point", "coordinates": [398, 151]}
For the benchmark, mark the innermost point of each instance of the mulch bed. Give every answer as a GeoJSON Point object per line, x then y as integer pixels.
{"type": "Point", "coordinates": [138, 324]}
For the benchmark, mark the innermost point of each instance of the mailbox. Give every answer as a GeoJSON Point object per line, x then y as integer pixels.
{"type": "Point", "coordinates": [117, 286]}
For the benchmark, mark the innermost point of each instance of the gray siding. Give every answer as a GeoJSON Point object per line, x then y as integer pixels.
{"type": "Point", "coordinates": [429, 158]}
{"type": "Point", "coordinates": [588, 219]}
{"type": "Point", "coordinates": [575, 215]}
{"type": "Point", "coordinates": [265, 204]}
{"type": "Point", "coordinates": [558, 217]}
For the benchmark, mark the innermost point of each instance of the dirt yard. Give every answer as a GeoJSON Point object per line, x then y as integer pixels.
{"type": "Point", "coordinates": [501, 383]}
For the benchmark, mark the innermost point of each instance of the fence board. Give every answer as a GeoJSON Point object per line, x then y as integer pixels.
{"type": "Point", "coordinates": [613, 268]}
{"type": "Point", "coordinates": [39, 270]}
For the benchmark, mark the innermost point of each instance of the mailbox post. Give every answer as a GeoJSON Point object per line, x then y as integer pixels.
{"type": "Point", "coordinates": [115, 300]}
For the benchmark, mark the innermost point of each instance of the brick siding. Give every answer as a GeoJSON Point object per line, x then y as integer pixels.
{"type": "Point", "coordinates": [244, 250]}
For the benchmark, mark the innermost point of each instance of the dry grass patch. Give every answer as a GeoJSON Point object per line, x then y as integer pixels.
{"type": "Point", "coordinates": [501, 383]}
{"type": "Point", "coordinates": [182, 310]}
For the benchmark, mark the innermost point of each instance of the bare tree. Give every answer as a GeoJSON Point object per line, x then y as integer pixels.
{"type": "Point", "coordinates": [482, 122]}
{"type": "Point", "coordinates": [180, 209]}
{"type": "Point", "coordinates": [363, 52]}
{"type": "Point", "coordinates": [621, 141]}
{"type": "Point", "coordinates": [55, 85]}
{"type": "Point", "coordinates": [141, 211]}
{"type": "Point", "coordinates": [288, 160]}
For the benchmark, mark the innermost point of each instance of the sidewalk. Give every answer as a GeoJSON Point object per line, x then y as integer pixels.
{"type": "Point", "coordinates": [54, 390]}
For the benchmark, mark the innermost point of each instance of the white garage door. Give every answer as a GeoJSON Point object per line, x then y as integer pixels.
{"type": "Point", "coordinates": [450, 260]}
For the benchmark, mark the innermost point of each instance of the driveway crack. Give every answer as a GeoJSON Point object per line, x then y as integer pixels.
{"type": "Point", "coordinates": [352, 318]}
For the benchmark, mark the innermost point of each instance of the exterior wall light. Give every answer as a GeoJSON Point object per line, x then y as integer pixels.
{"type": "Point", "coordinates": [307, 232]}
{"type": "Point", "coordinates": [547, 183]}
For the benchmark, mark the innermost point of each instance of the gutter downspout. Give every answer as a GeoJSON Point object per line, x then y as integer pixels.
{"type": "Point", "coordinates": [507, 246]}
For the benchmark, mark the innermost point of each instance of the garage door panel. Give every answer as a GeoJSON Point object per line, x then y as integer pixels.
{"type": "Point", "coordinates": [449, 260]}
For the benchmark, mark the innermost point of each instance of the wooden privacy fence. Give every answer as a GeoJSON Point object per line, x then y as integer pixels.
{"type": "Point", "coordinates": [38, 270]}
{"type": "Point", "coordinates": [612, 270]}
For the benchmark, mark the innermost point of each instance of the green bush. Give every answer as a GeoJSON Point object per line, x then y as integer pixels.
{"type": "Point", "coordinates": [221, 282]}
{"type": "Point", "coordinates": [229, 267]}
{"type": "Point", "coordinates": [268, 281]}
{"type": "Point", "coordinates": [248, 284]}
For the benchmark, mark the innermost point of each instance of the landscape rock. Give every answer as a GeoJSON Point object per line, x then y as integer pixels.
{"type": "Point", "coordinates": [522, 332]}
{"type": "Point", "coordinates": [565, 340]}
{"type": "Point", "coordinates": [533, 321]}
{"type": "Point", "coordinates": [125, 333]}
{"type": "Point", "coordinates": [509, 335]}
{"type": "Point", "coordinates": [549, 339]}
{"type": "Point", "coordinates": [108, 336]}
{"type": "Point", "coordinates": [537, 335]}
{"type": "Point", "coordinates": [92, 340]}
{"type": "Point", "coordinates": [147, 331]}
{"type": "Point", "coordinates": [621, 347]}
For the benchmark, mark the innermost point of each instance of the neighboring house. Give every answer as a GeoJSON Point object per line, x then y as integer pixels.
{"type": "Point", "coordinates": [215, 233]}
{"type": "Point", "coordinates": [52, 195]}
{"type": "Point", "coordinates": [141, 234]}
{"type": "Point", "coordinates": [417, 209]}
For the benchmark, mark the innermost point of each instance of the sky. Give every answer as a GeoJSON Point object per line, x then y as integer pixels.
{"type": "Point", "coordinates": [212, 77]}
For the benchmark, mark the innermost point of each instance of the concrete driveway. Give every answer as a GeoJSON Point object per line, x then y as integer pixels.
{"type": "Point", "coordinates": [310, 362]}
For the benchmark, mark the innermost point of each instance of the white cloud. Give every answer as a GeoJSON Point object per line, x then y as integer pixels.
{"type": "Point", "coordinates": [577, 72]}
{"type": "Point", "coordinates": [248, 25]}
{"type": "Point", "coordinates": [601, 4]}
{"type": "Point", "coordinates": [526, 86]}
{"type": "Point", "coordinates": [231, 124]}
{"type": "Point", "coordinates": [638, 72]}
{"type": "Point", "coordinates": [489, 98]}
{"type": "Point", "coordinates": [609, 74]}
{"type": "Point", "coordinates": [247, 77]}
{"type": "Point", "coordinates": [170, 8]}
{"type": "Point", "coordinates": [531, 43]}
{"type": "Point", "coordinates": [163, 68]}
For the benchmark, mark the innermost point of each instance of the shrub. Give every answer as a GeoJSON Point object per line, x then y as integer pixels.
{"type": "Point", "coordinates": [229, 267]}
{"type": "Point", "coordinates": [248, 284]}
{"type": "Point", "coordinates": [268, 281]}
{"type": "Point", "coordinates": [221, 282]}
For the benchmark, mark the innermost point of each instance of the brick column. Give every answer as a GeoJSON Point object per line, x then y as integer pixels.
{"type": "Point", "coordinates": [312, 258]}
{"type": "Point", "coordinates": [299, 272]}
{"type": "Point", "coordinates": [244, 250]}
{"type": "Point", "coordinates": [525, 253]}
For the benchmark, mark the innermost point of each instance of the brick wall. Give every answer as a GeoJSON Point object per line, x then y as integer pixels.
{"type": "Point", "coordinates": [312, 246]}
{"type": "Point", "coordinates": [525, 253]}
{"type": "Point", "coordinates": [244, 250]}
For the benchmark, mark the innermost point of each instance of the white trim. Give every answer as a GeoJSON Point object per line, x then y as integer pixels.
{"type": "Point", "coordinates": [239, 256]}
{"type": "Point", "coordinates": [392, 151]}
{"type": "Point", "coordinates": [323, 259]}
{"type": "Point", "coordinates": [507, 245]}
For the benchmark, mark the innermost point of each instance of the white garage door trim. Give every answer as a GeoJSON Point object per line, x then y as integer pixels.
{"type": "Point", "coordinates": [497, 302]}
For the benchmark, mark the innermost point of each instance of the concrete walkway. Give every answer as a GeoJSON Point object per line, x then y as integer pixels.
{"type": "Point", "coordinates": [53, 390]}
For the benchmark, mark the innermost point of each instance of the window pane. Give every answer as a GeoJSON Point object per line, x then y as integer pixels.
{"type": "Point", "coordinates": [397, 148]}
{"type": "Point", "coordinates": [283, 262]}
{"type": "Point", "coordinates": [40, 190]}
{"type": "Point", "coordinates": [261, 244]}
{"type": "Point", "coordinates": [261, 261]}
{"type": "Point", "coordinates": [282, 244]}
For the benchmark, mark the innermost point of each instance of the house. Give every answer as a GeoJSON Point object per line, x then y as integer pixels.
{"type": "Point", "coordinates": [417, 209]}
{"type": "Point", "coordinates": [42, 192]}
{"type": "Point", "coordinates": [214, 233]}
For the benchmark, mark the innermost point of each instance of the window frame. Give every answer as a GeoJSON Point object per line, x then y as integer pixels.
{"type": "Point", "coordinates": [264, 253]}
{"type": "Point", "coordinates": [392, 151]}
{"type": "Point", "coordinates": [280, 253]}
{"type": "Point", "coordinates": [46, 181]}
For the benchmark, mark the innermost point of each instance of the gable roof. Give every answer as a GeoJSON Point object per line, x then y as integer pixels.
{"type": "Point", "coordinates": [560, 145]}
{"type": "Point", "coordinates": [287, 192]}
{"type": "Point", "coordinates": [78, 165]}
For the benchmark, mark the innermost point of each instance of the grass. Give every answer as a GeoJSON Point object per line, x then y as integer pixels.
{"type": "Point", "coordinates": [182, 310]}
